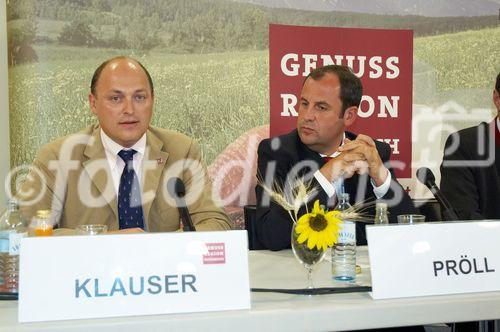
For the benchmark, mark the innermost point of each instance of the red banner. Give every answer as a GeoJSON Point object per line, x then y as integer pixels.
{"type": "Point", "coordinates": [382, 59]}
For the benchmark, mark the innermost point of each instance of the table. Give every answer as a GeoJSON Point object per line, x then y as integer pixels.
{"type": "Point", "coordinates": [283, 312]}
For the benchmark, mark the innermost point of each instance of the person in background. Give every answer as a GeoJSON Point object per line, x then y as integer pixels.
{"type": "Point", "coordinates": [470, 172]}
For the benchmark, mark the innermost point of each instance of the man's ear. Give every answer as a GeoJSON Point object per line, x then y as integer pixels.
{"type": "Point", "coordinates": [496, 99]}
{"type": "Point", "coordinates": [350, 115]}
{"type": "Point", "coordinates": [93, 108]}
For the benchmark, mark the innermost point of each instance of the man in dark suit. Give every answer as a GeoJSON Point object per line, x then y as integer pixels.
{"type": "Point", "coordinates": [320, 150]}
{"type": "Point", "coordinates": [470, 172]}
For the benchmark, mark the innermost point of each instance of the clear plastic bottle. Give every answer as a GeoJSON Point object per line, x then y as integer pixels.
{"type": "Point", "coordinates": [344, 252]}
{"type": "Point", "coordinates": [381, 217]}
{"type": "Point", "coordinates": [12, 230]}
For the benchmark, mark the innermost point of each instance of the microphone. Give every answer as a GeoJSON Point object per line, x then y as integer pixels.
{"type": "Point", "coordinates": [176, 189]}
{"type": "Point", "coordinates": [426, 177]}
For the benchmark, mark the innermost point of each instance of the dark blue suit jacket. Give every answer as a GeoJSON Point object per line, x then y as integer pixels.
{"type": "Point", "coordinates": [473, 191]}
{"type": "Point", "coordinates": [273, 222]}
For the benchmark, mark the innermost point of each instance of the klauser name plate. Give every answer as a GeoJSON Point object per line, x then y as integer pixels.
{"type": "Point", "coordinates": [78, 277]}
{"type": "Point", "coordinates": [434, 258]}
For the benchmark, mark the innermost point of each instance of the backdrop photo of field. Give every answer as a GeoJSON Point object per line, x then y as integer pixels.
{"type": "Point", "coordinates": [465, 65]}
{"type": "Point", "coordinates": [214, 98]}
{"type": "Point", "coordinates": [209, 62]}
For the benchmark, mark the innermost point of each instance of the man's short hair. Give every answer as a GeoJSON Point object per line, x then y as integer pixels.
{"type": "Point", "coordinates": [497, 86]}
{"type": "Point", "coordinates": [103, 65]}
{"type": "Point", "coordinates": [351, 89]}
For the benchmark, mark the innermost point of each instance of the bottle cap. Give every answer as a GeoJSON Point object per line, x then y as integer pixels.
{"type": "Point", "coordinates": [344, 196]}
{"type": "Point", "coordinates": [12, 203]}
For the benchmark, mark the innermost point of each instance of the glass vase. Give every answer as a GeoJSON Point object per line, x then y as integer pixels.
{"type": "Point", "coordinates": [307, 257]}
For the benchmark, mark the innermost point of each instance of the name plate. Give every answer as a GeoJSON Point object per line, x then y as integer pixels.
{"type": "Point", "coordinates": [434, 258]}
{"type": "Point", "coordinates": [74, 277]}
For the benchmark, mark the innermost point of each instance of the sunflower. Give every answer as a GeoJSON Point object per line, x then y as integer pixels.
{"type": "Point", "coordinates": [319, 228]}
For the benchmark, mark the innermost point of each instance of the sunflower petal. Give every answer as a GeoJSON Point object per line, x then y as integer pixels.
{"type": "Point", "coordinates": [313, 239]}
{"type": "Point", "coordinates": [304, 219]}
{"type": "Point", "coordinates": [316, 208]}
{"type": "Point", "coordinates": [303, 237]}
{"type": "Point", "coordinates": [299, 229]}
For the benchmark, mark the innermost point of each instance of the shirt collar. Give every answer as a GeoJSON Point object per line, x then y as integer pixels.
{"type": "Point", "coordinates": [112, 148]}
{"type": "Point", "coordinates": [336, 153]}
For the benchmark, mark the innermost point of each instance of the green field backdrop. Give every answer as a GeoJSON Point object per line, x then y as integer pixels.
{"type": "Point", "coordinates": [212, 97]}
{"type": "Point", "coordinates": [211, 77]}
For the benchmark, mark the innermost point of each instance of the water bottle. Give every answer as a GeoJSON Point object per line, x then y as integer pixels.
{"type": "Point", "coordinates": [381, 217]}
{"type": "Point", "coordinates": [344, 251]}
{"type": "Point", "coordinates": [12, 230]}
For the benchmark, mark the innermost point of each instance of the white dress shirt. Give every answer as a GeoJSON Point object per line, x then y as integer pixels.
{"type": "Point", "coordinates": [332, 187]}
{"type": "Point", "coordinates": [116, 164]}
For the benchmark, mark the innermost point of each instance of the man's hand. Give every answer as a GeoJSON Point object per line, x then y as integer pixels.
{"type": "Point", "coordinates": [345, 164]}
{"type": "Point", "coordinates": [365, 147]}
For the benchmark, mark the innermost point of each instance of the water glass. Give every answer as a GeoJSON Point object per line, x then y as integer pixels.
{"type": "Point", "coordinates": [410, 219]}
{"type": "Point", "coordinates": [92, 229]}
{"type": "Point", "coordinates": [307, 257]}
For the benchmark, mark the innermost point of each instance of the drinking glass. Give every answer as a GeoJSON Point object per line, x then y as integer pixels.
{"type": "Point", "coordinates": [410, 219]}
{"type": "Point", "coordinates": [92, 229]}
{"type": "Point", "coordinates": [307, 257]}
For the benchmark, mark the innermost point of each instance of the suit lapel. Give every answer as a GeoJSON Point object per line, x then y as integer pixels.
{"type": "Point", "coordinates": [152, 169]}
{"type": "Point", "coordinates": [307, 154]}
{"type": "Point", "coordinates": [102, 180]}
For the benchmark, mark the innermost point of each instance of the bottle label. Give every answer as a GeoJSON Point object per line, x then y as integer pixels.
{"type": "Point", "coordinates": [4, 241]}
{"type": "Point", "coordinates": [15, 243]}
{"type": "Point", "coordinates": [347, 233]}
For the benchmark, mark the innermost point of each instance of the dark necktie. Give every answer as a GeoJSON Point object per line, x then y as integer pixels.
{"type": "Point", "coordinates": [327, 159]}
{"type": "Point", "coordinates": [129, 194]}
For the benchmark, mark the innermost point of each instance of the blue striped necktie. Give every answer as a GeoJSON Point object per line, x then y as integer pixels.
{"type": "Point", "coordinates": [129, 194]}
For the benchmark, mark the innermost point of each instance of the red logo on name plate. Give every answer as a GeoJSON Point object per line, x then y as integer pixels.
{"type": "Point", "coordinates": [216, 253]}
